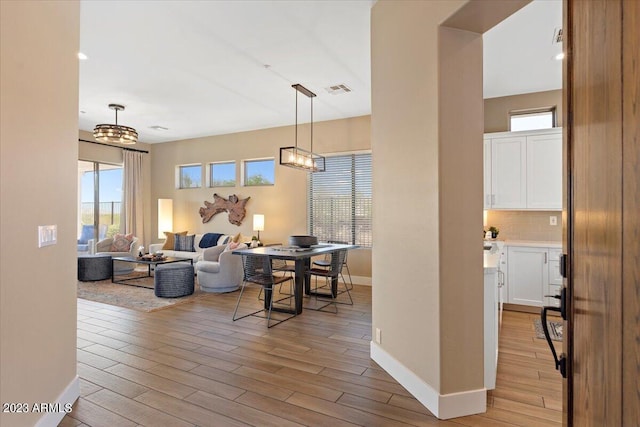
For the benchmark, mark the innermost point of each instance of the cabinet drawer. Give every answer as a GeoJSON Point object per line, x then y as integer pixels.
{"type": "Point", "coordinates": [554, 254]}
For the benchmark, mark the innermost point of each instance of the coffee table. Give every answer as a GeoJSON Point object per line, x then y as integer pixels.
{"type": "Point", "coordinates": [149, 263]}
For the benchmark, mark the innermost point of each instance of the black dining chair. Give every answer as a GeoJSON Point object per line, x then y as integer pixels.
{"type": "Point", "coordinates": [326, 262]}
{"type": "Point", "coordinates": [258, 272]}
{"type": "Point", "coordinates": [324, 292]}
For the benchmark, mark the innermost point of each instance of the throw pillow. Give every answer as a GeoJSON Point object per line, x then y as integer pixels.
{"type": "Point", "coordinates": [232, 246]}
{"type": "Point", "coordinates": [171, 240]}
{"type": "Point", "coordinates": [121, 242]}
{"type": "Point", "coordinates": [184, 243]}
{"type": "Point", "coordinates": [209, 239]}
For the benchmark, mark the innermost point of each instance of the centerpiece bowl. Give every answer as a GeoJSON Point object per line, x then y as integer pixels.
{"type": "Point", "coordinates": [303, 241]}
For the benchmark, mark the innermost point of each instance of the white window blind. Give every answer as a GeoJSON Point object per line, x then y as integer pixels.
{"type": "Point", "coordinates": [340, 203]}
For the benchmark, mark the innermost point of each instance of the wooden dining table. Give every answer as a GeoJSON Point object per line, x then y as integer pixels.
{"type": "Point", "coordinates": [302, 259]}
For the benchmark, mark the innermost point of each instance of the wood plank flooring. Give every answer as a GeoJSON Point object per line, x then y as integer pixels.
{"type": "Point", "coordinates": [190, 365]}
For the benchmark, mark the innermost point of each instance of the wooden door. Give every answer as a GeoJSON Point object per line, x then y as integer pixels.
{"type": "Point", "coordinates": [603, 212]}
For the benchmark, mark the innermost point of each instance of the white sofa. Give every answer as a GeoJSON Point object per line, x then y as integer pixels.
{"type": "Point", "coordinates": [103, 247]}
{"type": "Point", "coordinates": [220, 270]}
{"type": "Point", "coordinates": [195, 256]}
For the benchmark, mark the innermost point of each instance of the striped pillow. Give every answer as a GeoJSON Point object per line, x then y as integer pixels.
{"type": "Point", "coordinates": [184, 243]}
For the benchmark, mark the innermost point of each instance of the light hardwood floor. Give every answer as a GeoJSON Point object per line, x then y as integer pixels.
{"type": "Point", "coordinates": [191, 365]}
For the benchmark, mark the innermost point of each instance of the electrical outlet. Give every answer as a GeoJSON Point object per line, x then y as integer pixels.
{"type": "Point", "coordinates": [553, 220]}
{"type": "Point", "coordinates": [378, 335]}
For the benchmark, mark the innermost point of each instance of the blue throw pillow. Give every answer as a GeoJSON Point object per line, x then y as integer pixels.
{"type": "Point", "coordinates": [209, 239]}
{"type": "Point", "coordinates": [184, 243]}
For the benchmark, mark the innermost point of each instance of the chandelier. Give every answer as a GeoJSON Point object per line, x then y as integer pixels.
{"type": "Point", "coordinates": [115, 133]}
{"type": "Point", "coordinates": [299, 158]}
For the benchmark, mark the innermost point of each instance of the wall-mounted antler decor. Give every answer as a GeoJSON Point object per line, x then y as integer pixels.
{"type": "Point", "coordinates": [233, 205]}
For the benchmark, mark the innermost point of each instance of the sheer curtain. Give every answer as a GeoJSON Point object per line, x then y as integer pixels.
{"type": "Point", "coordinates": [132, 220]}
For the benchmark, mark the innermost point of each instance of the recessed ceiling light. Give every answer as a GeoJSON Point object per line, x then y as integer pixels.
{"type": "Point", "coordinates": [82, 56]}
{"type": "Point", "coordinates": [156, 127]}
{"type": "Point", "coordinates": [559, 57]}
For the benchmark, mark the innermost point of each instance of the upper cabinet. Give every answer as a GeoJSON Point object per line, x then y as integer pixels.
{"type": "Point", "coordinates": [523, 170]}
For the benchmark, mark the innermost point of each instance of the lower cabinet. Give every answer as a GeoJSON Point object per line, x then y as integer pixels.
{"type": "Point", "coordinates": [528, 275]}
{"type": "Point", "coordinates": [532, 273]}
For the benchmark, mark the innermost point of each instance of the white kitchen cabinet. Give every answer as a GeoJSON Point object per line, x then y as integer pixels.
{"type": "Point", "coordinates": [508, 173]}
{"type": "Point", "coordinates": [528, 275]}
{"type": "Point", "coordinates": [555, 279]}
{"type": "Point", "coordinates": [544, 171]}
{"type": "Point", "coordinates": [523, 170]}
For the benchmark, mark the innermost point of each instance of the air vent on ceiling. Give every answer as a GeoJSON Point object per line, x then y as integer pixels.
{"type": "Point", "coordinates": [337, 89]}
{"type": "Point", "coordinates": [557, 36]}
{"type": "Point", "coordinates": [156, 127]}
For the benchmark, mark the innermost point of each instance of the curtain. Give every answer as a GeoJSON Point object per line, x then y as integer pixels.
{"type": "Point", "coordinates": [132, 218]}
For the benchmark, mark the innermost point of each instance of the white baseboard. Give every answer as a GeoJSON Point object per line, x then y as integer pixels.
{"type": "Point", "coordinates": [360, 280]}
{"type": "Point", "coordinates": [443, 406]}
{"type": "Point", "coordinates": [70, 394]}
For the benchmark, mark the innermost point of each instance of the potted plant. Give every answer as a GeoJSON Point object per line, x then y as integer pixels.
{"type": "Point", "coordinates": [494, 232]}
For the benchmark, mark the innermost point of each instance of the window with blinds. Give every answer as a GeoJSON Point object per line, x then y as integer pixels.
{"type": "Point", "coordinates": [340, 203]}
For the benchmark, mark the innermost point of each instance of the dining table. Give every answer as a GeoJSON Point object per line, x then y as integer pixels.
{"type": "Point", "coordinates": [301, 257]}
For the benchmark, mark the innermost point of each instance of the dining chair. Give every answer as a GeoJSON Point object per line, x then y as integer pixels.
{"type": "Point", "coordinates": [324, 292]}
{"type": "Point", "coordinates": [258, 272]}
{"type": "Point", "coordinates": [326, 262]}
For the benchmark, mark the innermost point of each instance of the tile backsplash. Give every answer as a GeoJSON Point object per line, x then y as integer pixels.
{"type": "Point", "coordinates": [526, 225]}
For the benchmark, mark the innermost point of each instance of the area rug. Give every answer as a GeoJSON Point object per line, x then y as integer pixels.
{"type": "Point", "coordinates": [555, 329]}
{"type": "Point", "coordinates": [133, 297]}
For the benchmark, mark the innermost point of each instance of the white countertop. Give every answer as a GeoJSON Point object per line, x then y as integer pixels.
{"type": "Point", "coordinates": [534, 243]}
{"type": "Point", "coordinates": [492, 256]}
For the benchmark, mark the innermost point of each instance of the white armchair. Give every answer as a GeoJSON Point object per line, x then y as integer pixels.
{"type": "Point", "coordinates": [220, 270]}
{"type": "Point", "coordinates": [103, 247]}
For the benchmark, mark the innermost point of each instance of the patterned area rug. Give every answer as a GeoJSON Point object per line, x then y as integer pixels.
{"type": "Point", "coordinates": [555, 329]}
{"type": "Point", "coordinates": [134, 297]}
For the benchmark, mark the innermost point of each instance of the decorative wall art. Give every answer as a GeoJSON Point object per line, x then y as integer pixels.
{"type": "Point", "coordinates": [233, 205]}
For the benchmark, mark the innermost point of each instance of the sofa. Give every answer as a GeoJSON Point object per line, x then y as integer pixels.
{"type": "Point", "coordinates": [105, 247]}
{"type": "Point", "coordinates": [196, 253]}
{"type": "Point", "coordinates": [220, 270]}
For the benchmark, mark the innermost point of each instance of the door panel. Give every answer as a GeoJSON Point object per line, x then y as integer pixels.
{"type": "Point", "coordinates": [602, 231]}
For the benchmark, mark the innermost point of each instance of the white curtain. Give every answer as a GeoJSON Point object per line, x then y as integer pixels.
{"type": "Point", "coordinates": [132, 220]}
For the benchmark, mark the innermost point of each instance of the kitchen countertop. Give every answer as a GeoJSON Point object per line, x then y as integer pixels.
{"type": "Point", "coordinates": [534, 243]}
{"type": "Point", "coordinates": [492, 256]}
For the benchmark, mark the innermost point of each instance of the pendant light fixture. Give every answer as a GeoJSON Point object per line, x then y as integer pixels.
{"type": "Point", "coordinates": [299, 158]}
{"type": "Point", "coordinates": [115, 133]}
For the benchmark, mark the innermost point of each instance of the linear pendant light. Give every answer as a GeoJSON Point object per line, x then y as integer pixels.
{"type": "Point", "coordinates": [299, 158]}
{"type": "Point", "coordinates": [115, 133]}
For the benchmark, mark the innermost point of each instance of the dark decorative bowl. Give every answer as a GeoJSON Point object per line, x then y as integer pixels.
{"type": "Point", "coordinates": [303, 241]}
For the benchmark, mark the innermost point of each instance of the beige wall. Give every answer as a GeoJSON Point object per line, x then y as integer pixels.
{"type": "Point", "coordinates": [427, 130]}
{"type": "Point", "coordinates": [406, 270]}
{"type": "Point", "coordinates": [526, 225]}
{"type": "Point", "coordinates": [283, 204]}
{"type": "Point", "coordinates": [496, 110]}
{"type": "Point", "coordinates": [38, 151]}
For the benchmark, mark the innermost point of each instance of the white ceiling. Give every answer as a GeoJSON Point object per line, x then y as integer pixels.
{"type": "Point", "coordinates": [204, 68]}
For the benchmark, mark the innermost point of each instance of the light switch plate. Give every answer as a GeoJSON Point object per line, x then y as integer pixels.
{"type": "Point", "coordinates": [47, 235]}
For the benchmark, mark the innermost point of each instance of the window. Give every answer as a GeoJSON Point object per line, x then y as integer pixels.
{"type": "Point", "coordinates": [100, 201]}
{"type": "Point", "coordinates": [539, 118]}
{"type": "Point", "coordinates": [189, 176]}
{"type": "Point", "coordinates": [340, 202]}
{"type": "Point", "coordinates": [259, 172]}
{"type": "Point", "coordinates": [222, 174]}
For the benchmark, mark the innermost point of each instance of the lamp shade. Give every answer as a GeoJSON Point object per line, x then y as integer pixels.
{"type": "Point", "coordinates": [258, 222]}
{"type": "Point", "coordinates": [165, 216]}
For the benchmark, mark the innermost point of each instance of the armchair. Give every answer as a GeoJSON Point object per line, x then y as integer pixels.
{"type": "Point", "coordinates": [220, 270]}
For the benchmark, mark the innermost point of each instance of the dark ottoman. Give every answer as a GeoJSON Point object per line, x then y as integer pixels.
{"type": "Point", "coordinates": [94, 267]}
{"type": "Point", "coordinates": [173, 280]}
